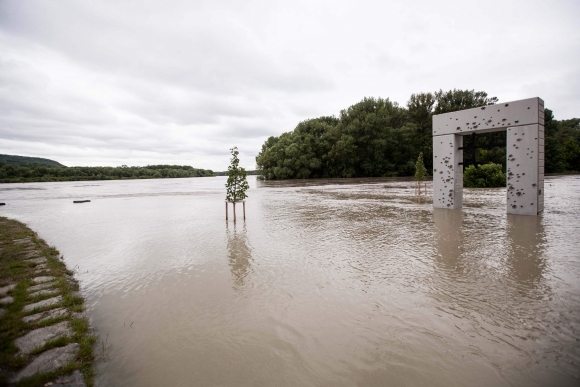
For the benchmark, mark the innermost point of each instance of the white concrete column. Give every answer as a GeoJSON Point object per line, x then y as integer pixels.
{"type": "Point", "coordinates": [447, 172]}
{"type": "Point", "coordinates": [525, 169]}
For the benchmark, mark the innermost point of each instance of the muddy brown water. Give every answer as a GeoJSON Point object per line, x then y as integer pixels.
{"type": "Point", "coordinates": [327, 283]}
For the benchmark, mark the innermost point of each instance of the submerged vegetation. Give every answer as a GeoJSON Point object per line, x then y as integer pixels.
{"type": "Point", "coordinates": [484, 176]}
{"type": "Point", "coordinates": [10, 173]}
{"type": "Point", "coordinates": [377, 137]}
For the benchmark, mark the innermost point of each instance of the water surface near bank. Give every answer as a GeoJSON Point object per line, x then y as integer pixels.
{"type": "Point", "coordinates": [328, 282]}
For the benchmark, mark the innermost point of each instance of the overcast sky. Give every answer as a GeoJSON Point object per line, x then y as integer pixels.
{"type": "Point", "coordinates": [180, 82]}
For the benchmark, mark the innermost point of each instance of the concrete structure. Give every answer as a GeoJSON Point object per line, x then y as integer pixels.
{"type": "Point", "coordinates": [523, 121]}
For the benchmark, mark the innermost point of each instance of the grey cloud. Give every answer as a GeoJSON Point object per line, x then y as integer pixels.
{"type": "Point", "coordinates": [192, 49]}
{"type": "Point", "coordinates": [137, 82]}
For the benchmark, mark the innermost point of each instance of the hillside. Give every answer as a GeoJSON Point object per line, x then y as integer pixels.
{"type": "Point", "coordinates": [23, 160]}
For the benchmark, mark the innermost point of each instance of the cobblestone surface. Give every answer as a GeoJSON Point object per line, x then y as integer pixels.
{"type": "Point", "coordinates": [36, 260]}
{"type": "Point", "coordinates": [31, 254]}
{"type": "Point", "coordinates": [46, 278]}
{"type": "Point", "coordinates": [73, 380]}
{"type": "Point", "coordinates": [45, 292]}
{"type": "Point", "coordinates": [38, 317]}
{"type": "Point", "coordinates": [39, 337]}
{"type": "Point", "coordinates": [5, 289]}
{"type": "Point", "coordinates": [41, 286]}
{"type": "Point", "coordinates": [43, 303]}
{"type": "Point", "coordinates": [50, 360]}
{"type": "Point", "coordinates": [22, 241]}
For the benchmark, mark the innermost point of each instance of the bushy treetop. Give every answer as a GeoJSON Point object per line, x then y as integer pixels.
{"type": "Point", "coordinates": [420, 170]}
{"type": "Point", "coordinates": [237, 185]}
{"type": "Point", "coordinates": [377, 137]}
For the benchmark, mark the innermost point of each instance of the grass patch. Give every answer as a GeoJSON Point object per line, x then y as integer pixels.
{"type": "Point", "coordinates": [58, 342]}
{"type": "Point", "coordinates": [42, 379]}
{"type": "Point", "coordinates": [17, 243]}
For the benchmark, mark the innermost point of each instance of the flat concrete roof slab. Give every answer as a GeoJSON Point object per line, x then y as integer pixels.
{"type": "Point", "coordinates": [490, 118]}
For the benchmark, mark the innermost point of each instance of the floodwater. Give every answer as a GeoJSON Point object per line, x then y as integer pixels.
{"type": "Point", "coordinates": [327, 282]}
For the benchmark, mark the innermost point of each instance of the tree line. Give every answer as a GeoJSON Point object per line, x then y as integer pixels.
{"type": "Point", "coordinates": [377, 137]}
{"type": "Point", "coordinates": [10, 173]}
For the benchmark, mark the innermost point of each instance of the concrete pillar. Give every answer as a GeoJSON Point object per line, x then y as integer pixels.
{"type": "Point", "coordinates": [447, 172]}
{"type": "Point", "coordinates": [525, 170]}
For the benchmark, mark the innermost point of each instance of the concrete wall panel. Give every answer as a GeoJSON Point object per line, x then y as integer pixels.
{"type": "Point", "coordinates": [490, 118]}
{"type": "Point", "coordinates": [447, 172]}
{"type": "Point", "coordinates": [541, 169]}
{"type": "Point", "coordinates": [523, 170]}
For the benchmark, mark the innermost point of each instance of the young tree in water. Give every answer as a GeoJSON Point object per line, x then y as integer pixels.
{"type": "Point", "coordinates": [420, 171]}
{"type": "Point", "coordinates": [237, 184]}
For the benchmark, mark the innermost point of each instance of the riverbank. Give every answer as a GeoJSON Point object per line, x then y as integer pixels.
{"type": "Point", "coordinates": [10, 173]}
{"type": "Point", "coordinates": [44, 335]}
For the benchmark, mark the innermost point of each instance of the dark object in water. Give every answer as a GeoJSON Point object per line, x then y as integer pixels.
{"type": "Point", "coordinates": [2, 204]}
{"type": "Point", "coordinates": [81, 201]}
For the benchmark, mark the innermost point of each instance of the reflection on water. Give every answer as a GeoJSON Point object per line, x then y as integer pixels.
{"type": "Point", "coordinates": [239, 253]}
{"type": "Point", "coordinates": [337, 282]}
{"type": "Point", "coordinates": [526, 256]}
{"type": "Point", "coordinates": [449, 238]}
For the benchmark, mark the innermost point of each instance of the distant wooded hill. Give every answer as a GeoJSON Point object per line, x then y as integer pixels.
{"type": "Point", "coordinates": [20, 173]}
{"type": "Point", "coordinates": [23, 160]}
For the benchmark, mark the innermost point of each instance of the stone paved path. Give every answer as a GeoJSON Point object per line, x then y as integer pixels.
{"type": "Point", "coordinates": [45, 285]}
{"type": "Point", "coordinates": [44, 302]}
{"type": "Point", "coordinates": [39, 317]}
{"type": "Point", "coordinates": [31, 254]}
{"type": "Point", "coordinates": [5, 289]}
{"type": "Point", "coordinates": [49, 361]}
{"type": "Point", "coordinates": [73, 380]}
{"type": "Point", "coordinates": [39, 337]}
{"type": "Point", "coordinates": [39, 280]}
{"type": "Point", "coordinates": [45, 292]}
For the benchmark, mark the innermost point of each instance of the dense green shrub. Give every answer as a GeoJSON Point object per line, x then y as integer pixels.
{"type": "Point", "coordinates": [484, 176]}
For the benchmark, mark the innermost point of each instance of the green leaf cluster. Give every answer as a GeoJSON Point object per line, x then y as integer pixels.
{"type": "Point", "coordinates": [376, 137]}
{"type": "Point", "coordinates": [484, 176]}
{"type": "Point", "coordinates": [237, 185]}
{"type": "Point", "coordinates": [420, 170]}
{"type": "Point", "coordinates": [562, 144]}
